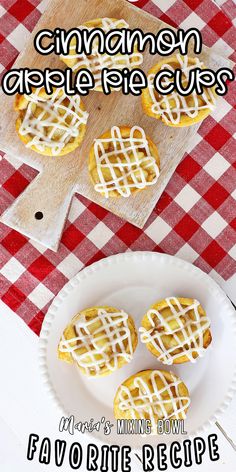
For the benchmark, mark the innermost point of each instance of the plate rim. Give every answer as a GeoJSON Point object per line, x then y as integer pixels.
{"type": "Point", "coordinates": [113, 259]}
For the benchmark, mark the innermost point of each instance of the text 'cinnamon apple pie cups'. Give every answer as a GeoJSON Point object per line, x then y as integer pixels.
{"type": "Point", "coordinates": [99, 340]}
{"type": "Point", "coordinates": [123, 161]}
{"type": "Point", "coordinates": [51, 125]}
{"type": "Point", "coordinates": [96, 62]}
{"type": "Point", "coordinates": [152, 395]}
{"type": "Point", "coordinates": [174, 109]}
{"type": "Point", "coordinates": [176, 330]}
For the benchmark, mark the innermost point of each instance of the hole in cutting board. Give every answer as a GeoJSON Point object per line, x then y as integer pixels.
{"type": "Point", "coordinates": [38, 215]}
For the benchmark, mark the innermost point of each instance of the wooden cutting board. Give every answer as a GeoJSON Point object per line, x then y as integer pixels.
{"type": "Point", "coordinates": [59, 178]}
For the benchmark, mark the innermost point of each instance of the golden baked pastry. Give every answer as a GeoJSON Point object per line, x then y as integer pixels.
{"type": "Point", "coordinates": [152, 395]}
{"type": "Point", "coordinates": [174, 109]}
{"type": "Point", "coordinates": [52, 125]}
{"type": "Point", "coordinates": [99, 340]}
{"type": "Point", "coordinates": [176, 330]}
{"type": "Point", "coordinates": [96, 61]}
{"type": "Point", "coordinates": [123, 161]}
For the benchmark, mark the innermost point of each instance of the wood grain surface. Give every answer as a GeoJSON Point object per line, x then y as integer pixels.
{"type": "Point", "coordinates": [60, 177]}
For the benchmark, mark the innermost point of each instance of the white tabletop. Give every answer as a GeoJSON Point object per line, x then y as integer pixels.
{"type": "Point", "coordinates": [25, 407]}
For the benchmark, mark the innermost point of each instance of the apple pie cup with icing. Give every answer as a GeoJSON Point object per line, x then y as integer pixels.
{"type": "Point", "coordinates": [99, 340]}
{"type": "Point", "coordinates": [51, 125]}
{"type": "Point", "coordinates": [152, 395]}
{"type": "Point", "coordinates": [96, 62]}
{"type": "Point", "coordinates": [176, 330]}
{"type": "Point", "coordinates": [174, 109]}
{"type": "Point", "coordinates": [123, 161]}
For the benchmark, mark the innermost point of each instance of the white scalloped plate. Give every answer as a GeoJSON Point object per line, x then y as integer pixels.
{"type": "Point", "coordinates": [133, 281]}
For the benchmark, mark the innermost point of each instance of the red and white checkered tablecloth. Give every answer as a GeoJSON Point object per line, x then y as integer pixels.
{"type": "Point", "coordinates": [195, 217]}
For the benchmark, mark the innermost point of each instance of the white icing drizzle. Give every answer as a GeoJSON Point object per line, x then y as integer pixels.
{"type": "Point", "coordinates": [128, 162]}
{"type": "Point", "coordinates": [50, 129]}
{"type": "Point", "coordinates": [96, 62]}
{"type": "Point", "coordinates": [162, 403]}
{"type": "Point", "coordinates": [113, 335]}
{"type": "Point", "coordinates": [188, 335]}
{"type": "Point", "coordinates": [173, 114]}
